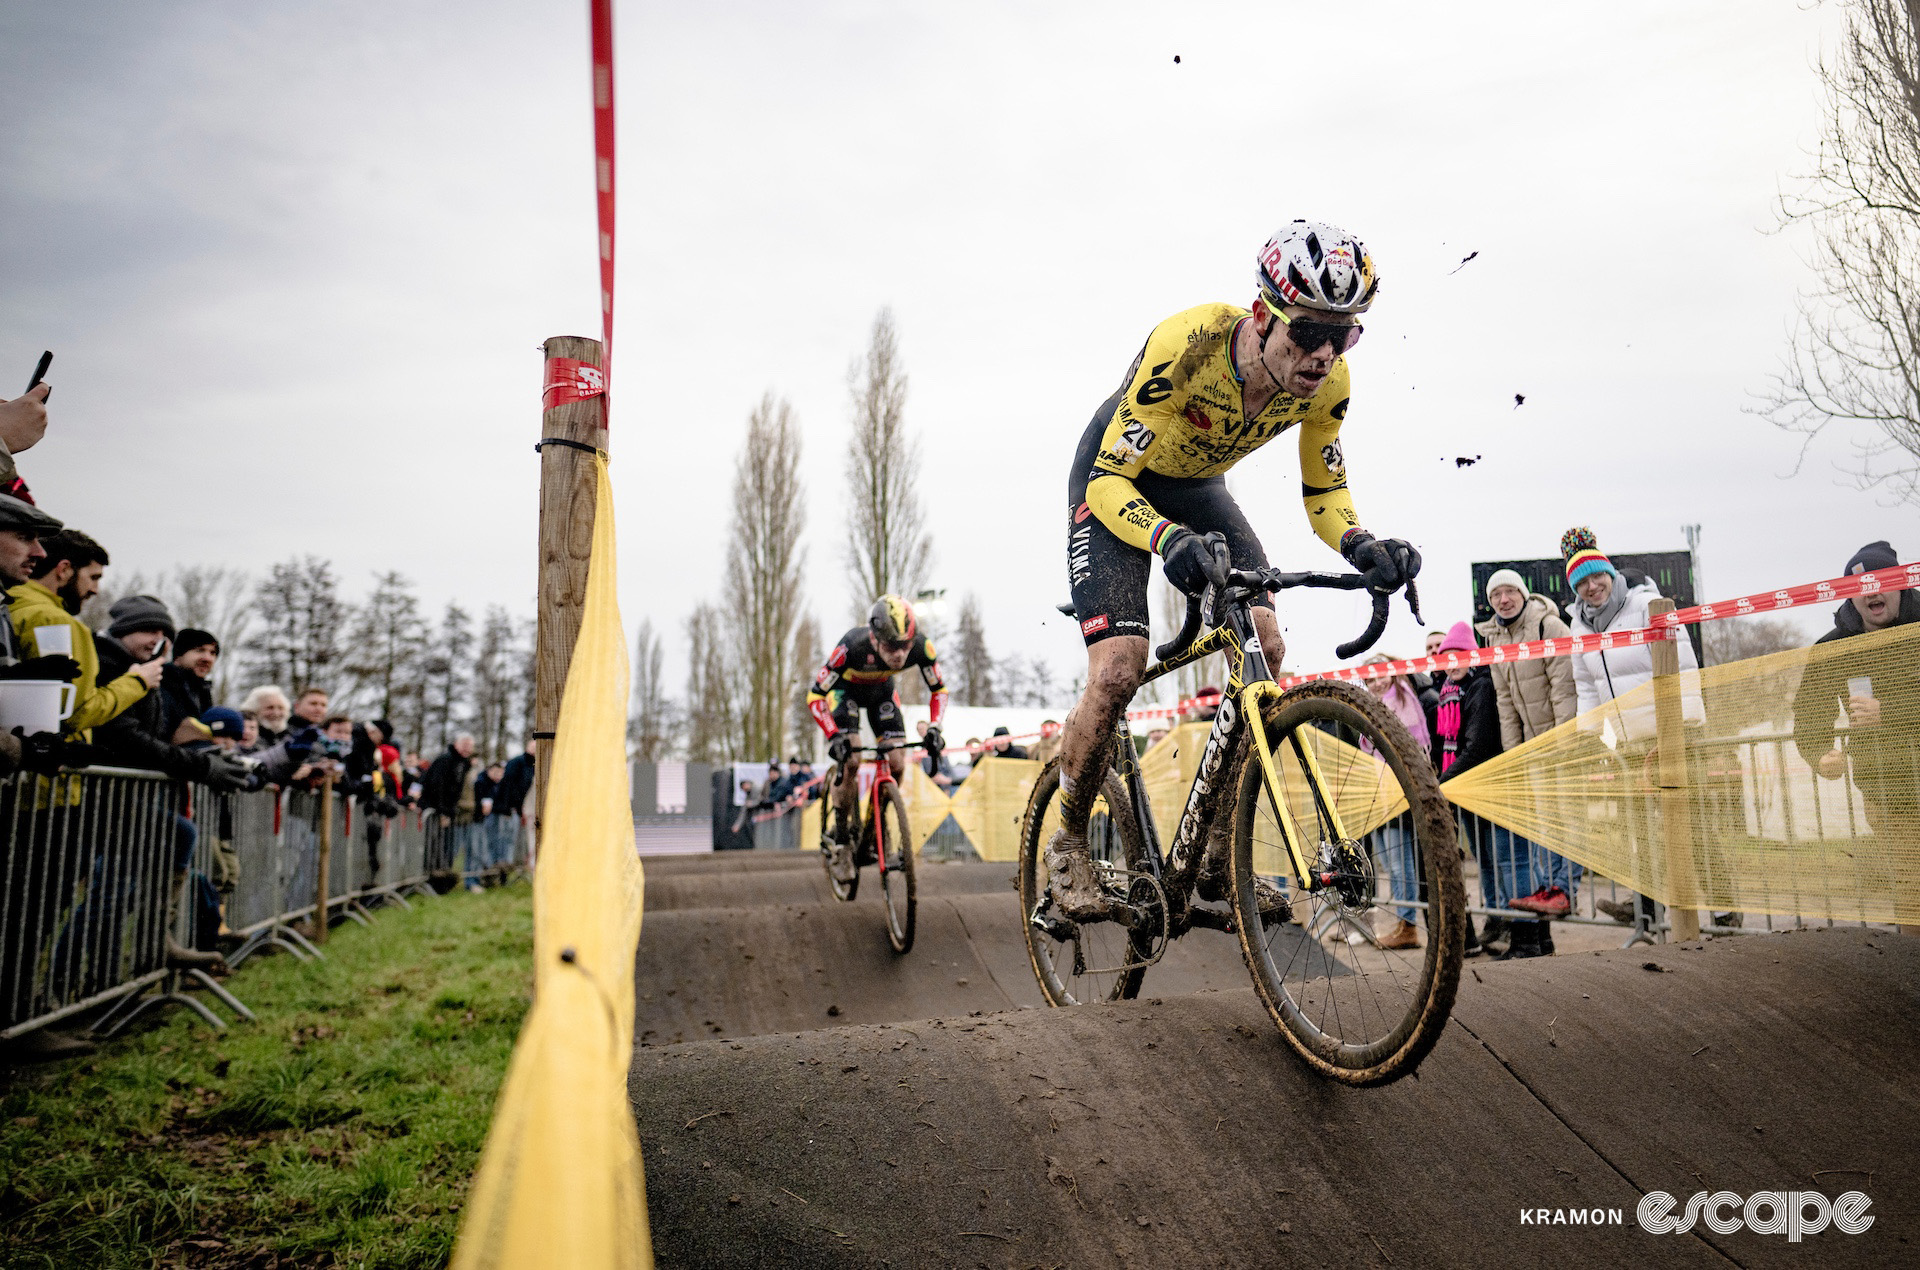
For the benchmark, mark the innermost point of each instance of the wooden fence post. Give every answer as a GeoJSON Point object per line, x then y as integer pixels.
{"type": "Point", "coordinates": [326, 860]}
{"type": "Point", "coordinates": [1676, 819]}
{"type": "Point", "coordinates": [568, 490]}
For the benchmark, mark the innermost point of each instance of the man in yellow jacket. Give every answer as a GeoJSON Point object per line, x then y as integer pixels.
{"type": "Point", "coordinates": [61, 583]}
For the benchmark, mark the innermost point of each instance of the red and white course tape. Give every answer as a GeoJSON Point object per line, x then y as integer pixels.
{"type": "Point", "coordinates": [1897, 577]}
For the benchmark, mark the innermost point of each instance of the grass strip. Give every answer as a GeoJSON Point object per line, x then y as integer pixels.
{"type": "Point", "coordinates": [340, 1130]}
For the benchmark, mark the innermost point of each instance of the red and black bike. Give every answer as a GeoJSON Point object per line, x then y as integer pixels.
{"type": "Point", "coordinates": [883, 838]}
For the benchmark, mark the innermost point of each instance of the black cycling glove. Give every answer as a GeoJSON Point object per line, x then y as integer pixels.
{"type": "Point", "coordinates": [53, 666]}
{"type": "Point", "coordinates": [934, 741]}
{"type": "Point", "coordinates": [1389, 563]}
{"type": "Point", "coordinates": [46, 753]}
{"type": "Point", "coordinates": [839, 745]}
{"type": "Point", "coordinates": [1191, 561]}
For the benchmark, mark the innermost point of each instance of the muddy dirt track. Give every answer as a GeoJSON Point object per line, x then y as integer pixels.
{"type": "Point", "coordinates": [807, 1099]}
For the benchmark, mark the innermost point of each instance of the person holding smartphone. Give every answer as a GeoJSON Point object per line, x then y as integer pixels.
{"type": "Point", "coordinates": [43, 613]}
{"type": "Point", "coordinates": [1879, 698]}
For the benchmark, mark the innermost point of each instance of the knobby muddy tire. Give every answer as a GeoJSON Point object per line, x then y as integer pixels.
{"type": "Point", "coordinates": [897, 886]}
{"type": "Point", "coordinates": [1400, 1052]}
{"type": "Point", "coordinates": [842, 891]}
{"type": "Point", "coordinates": [1126, 831]}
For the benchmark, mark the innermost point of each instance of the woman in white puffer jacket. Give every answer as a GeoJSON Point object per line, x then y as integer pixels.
{"type": "Point", "coordinates": [1605, 601]}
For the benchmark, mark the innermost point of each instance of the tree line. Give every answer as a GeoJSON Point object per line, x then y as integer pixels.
{"type": "Point", "coordinates": [752, 651]}
{"type": "Point", "coordinates": [382, 656]}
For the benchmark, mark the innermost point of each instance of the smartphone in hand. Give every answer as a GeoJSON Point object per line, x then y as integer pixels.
{"type": "Point", "coordinates": [40, 372]}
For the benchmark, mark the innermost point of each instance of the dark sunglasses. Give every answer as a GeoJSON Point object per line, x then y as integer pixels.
{"type": "Point", "coordinates": [1308, 335]}
{"type": "Point", "coordinates": [897, 646]}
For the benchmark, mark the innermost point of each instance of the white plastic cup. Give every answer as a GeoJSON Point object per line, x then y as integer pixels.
{"type": "Point", "coordinates": [35, 705]}
{"type": "Point", "coordinates": [54, 641]}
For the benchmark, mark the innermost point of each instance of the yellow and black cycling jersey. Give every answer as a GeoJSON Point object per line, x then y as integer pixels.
{"type": "Point", "coordinates": [1180, 415]}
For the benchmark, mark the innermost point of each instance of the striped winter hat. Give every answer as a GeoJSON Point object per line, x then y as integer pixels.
{"type": "Point", "coordinates": [1582, 554]}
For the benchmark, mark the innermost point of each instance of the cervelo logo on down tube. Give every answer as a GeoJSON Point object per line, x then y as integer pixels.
{"type": "Point", "coordinates": [1790, 1213]}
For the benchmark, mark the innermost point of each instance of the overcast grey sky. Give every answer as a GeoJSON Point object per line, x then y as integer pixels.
{"type": "Point", "coordinates": [295, 261]}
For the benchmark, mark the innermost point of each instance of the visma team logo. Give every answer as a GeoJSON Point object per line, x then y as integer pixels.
{"type": "Point", "coordinates": [1794, 1214]}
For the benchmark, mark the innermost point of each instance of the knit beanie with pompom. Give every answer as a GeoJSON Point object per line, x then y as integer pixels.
{"type": "Point", "coordinates": [1581, 551]}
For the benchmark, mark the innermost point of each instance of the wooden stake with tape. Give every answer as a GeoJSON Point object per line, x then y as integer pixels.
{"type": "Point", "coordinates": [1676, 819]}
{"type": "Point", "coordinates": [573, 428]}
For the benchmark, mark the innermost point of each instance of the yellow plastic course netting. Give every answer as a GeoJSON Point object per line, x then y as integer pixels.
{"type": "Point", "coordinates": [1784, 800]}
{"type": "Point", "coordinates": [927, 806]}
{"type": "Point", "coordinates": [1363, 788]}
{"type": "Point", "coordinates": [560, 1181]}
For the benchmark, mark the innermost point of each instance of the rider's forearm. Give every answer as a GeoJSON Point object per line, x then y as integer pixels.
{"type": "Point", "coordinates": [1330, 512]}
{"type": "Point", "coordinates": [1119, 505]}
{"type": "Point", "coordinates": [937, 707]}
{"type": "Point", "coordinates": [822, 715]}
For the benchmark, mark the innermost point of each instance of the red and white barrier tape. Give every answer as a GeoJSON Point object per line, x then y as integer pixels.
{"type": "Point", "coordinates": [601, 21]}
{"type": "Point", "coordinates": [1898, 577]}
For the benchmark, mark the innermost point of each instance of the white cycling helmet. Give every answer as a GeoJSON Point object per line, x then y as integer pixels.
{"type": "Point", "coordinates": [1319, 266]}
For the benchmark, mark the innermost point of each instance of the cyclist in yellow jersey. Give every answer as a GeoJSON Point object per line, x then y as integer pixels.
{"type": "Point", "coordinates": [1211, 386]}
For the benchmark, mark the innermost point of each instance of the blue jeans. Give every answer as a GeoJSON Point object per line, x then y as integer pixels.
{"type": "Point", "coordinates": [1513, 865]}
{"type": "Point", "coordinates": [1509, 865]}
{"type": "Point", "coordinates": [1560, 871]}
{"type": "Point", "coordinates": [500, 834]}
{"type": "Point", "coordinates": [1403, 872]}
{"type": "Point", "coordinates": [470, 846]}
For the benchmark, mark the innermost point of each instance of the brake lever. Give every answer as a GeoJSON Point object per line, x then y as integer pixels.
{"type": "Point", "coordinates": [1413, 603]}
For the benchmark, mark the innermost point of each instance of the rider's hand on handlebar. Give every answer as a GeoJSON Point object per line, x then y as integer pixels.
{"type": "Point", "coordinates": [934, 741]}
{"type": "Point", "coordinates": [839, 746]}
{"type": "Point", "coordinates": [1192, 561]}
{"type": "Point", "coordinates": [1389, 563]}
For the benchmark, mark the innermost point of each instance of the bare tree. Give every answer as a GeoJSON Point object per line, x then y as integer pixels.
{"type": "Point", "coordinates": [808, 657]}
{"type": "Point", "coordinates": [713, 690]}
{"type": "Point", "coordinates": [446, 677]}
{"type": "Point", "coordinates": [386, 647]}
{"type": "Point", "coordinates": [1855, 357]}
{"type": "Point", "coordinates": [1738, 638]}
{"type": "Point", "coordinates": [888, 548]}
{"type": "Point", "coordinates": [654, 723]}
{"type": "Point", "coordinates": [218, 600]}
{"type": "Point", "coordinates": [302, 618]}
{"type": "Point", "coordinates": [764, 564]}
{"type": "Point", "coordinates": [971, 669]}
{"type": "Point", "coordinates": [496, 684]}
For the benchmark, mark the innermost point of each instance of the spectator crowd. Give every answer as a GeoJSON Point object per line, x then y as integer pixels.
{"type": "Point", "coordinates": [142, 697]}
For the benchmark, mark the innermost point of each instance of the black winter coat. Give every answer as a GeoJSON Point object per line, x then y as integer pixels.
{"type": "Point", "coordinates": [1886, 759]}
{"type": "Point", "coordinates": [445, 780]}
{"type": "Point", "coordinates": [183, 695]}
{"type": "Point", "coordinates": [1479, 738]}
{"type": "Point", "coordinates": [134, 737]}
{"type": "Point", "coordinates": [515, 784]}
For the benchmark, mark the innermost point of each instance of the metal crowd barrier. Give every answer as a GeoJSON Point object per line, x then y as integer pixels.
{"type": "Point", "coordinates": [779, 832]}
{"type": "Point", "coordinates": [91, 884]}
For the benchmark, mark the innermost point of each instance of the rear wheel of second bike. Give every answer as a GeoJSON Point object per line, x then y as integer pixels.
{"type": "Point", "coordinates": [896, 877]}
{"type": "Point", "coordinates": [1079, 962]}
{"type": "Point", "coordinates": [1361, 974]}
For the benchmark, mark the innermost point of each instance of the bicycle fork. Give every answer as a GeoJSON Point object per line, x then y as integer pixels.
{"type": "Point", "coordinates": [1253, 699]}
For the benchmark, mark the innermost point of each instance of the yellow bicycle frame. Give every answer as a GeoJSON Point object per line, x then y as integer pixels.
{"type": "Point", "coordinates": [1253, 697]}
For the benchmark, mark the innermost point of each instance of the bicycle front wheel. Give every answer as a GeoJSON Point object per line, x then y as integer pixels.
{"type": "Point", "coordinates": [1080, 962]}
{"type": "Point", "coordinates": [844, 887]}
{"type": "Point", "coordinates": [896, 874]}
{"type": "Point", "coordinates": [1361, 974]}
